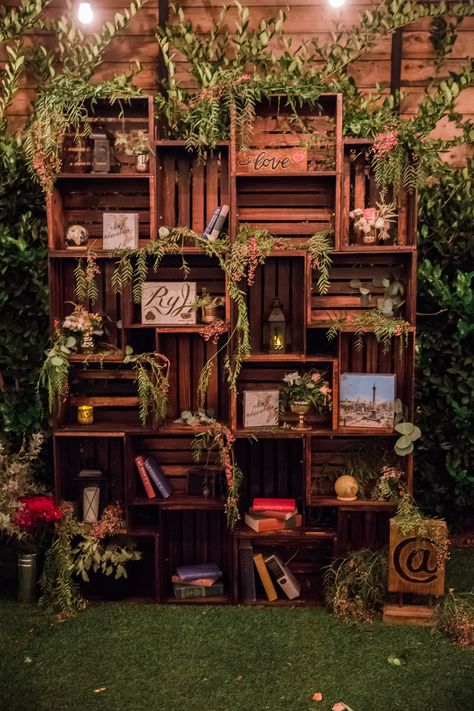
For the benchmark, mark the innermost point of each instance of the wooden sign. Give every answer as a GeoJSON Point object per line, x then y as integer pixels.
{"type": "Point", "coordinates": [120, 230]}
{"type": "Point", "coordinates": [169, 303]}
{"type": "Point", "coordinates": [272, 161]}
{"type": "Point", "coordinates": [261, 408]}
{"type": "Point", "coordinates": [413, 567]}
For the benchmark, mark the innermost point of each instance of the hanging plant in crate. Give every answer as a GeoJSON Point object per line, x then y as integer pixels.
{"type": "Point", "coordinates": [152, 370]}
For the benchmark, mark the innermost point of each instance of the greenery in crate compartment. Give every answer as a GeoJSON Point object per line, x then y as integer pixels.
{"type": "Point", "coordinates": [308, 387]}
{"type": "Point", "coordinates": [355, 585]}
{"type": "Point", "coordinates": [135, 143]}
{"type": "Point", "coordinates": [152, 371]}
{"type": "Point", "coordinates": [410, 521]}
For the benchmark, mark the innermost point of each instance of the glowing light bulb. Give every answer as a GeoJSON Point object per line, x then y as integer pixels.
{"type": "Point", "coordinates": [337, 3]}
{"type": "Point", "coordinates": [84, 13]}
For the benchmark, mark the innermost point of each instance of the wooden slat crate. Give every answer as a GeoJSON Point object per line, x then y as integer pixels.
{"type": "Point", "coordinates": [361, 191]}
{"type": "Point", "coordinates": [190, 190]}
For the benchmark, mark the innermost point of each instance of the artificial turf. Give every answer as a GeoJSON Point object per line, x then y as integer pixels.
{"type": "Point", "coordinates": [183, 658]}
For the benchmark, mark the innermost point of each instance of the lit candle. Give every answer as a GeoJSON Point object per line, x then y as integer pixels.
{"type": "Point", "coordinates": [85, 414]}
{"type": "Point", "coordinates": [277, 343]}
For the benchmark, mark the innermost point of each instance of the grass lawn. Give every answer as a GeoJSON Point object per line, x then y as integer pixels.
{"type": "Point", "coordinates": [150, 658]}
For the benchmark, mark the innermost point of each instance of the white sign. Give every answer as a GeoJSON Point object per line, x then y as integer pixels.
{"type": "Point", "coordinates": [261, 408]}
{"type": "Point", "coordinates": [169, 302]}
{"type": "Point", "coordinates": [120, 230]}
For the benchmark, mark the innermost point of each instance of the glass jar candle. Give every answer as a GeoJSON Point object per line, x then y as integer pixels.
{"type": "Point", "coordinates": [85, 414]}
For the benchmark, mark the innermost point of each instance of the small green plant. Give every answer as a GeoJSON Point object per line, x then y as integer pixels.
{"type": "Point", "coordinates": [409, 433]}
{"type": "Point", "coordinates": [207, 301]}
{"type": "Point", "coordinates": [53, 376]}
{"type": "Point", "coordinates": [355, 585]}
{"type": "Point", "coordinates": [135, 143]}
{"type": "Point", "coordinates": [305, 387]}
{"type": "Point", "coordinates": [152, 371]}
{"type": "Point", "coordinates": [410, 521]}
{"type": "Point", "coordinates": [454, 617]}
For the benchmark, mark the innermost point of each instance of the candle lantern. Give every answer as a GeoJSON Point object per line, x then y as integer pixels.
{"type": "Point", "coordinates": [91, 481]}
{"type": "Point", "coordinates": [277, 329]}
{"type": "Point", "coordinates": [85, 414]}
{"type": "Point", "coordinates": [100, 152]}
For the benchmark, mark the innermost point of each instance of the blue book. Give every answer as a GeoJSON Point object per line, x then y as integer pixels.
{"type": "Point", "coordinates": [200, 570]}
{"type": "Point", "coordinates": [211, 223]}
{"type": "Point", "coordinates": [158, 477]}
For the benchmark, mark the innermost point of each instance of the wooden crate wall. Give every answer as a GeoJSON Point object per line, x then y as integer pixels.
{"type": "Point", "coordinates": [271, 467]}
{"type": "Point", "coordinates": [112, 391]}
{"type": "Point", "coordinates": [189, 190]}
{"type": "Point", "coordinates": [73, 453]}
{"type": "Point", "coordinates": [282, 277]}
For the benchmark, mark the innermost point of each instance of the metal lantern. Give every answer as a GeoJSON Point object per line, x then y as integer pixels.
{"type": "Point", "coordinates": [91, 481]}
{"type": "Point", "coordinates": [277, 336]}
{"type": "Point", "coordinates": [100, 152]}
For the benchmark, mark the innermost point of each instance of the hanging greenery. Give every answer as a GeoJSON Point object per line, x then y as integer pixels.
{"type": "Point", "coordinates": [53, 376]}
{"type": "Point", "coordinates": [362, 322]}
{"type": "Point", "coordinates": [85, 278]}
{"type": "Point", "coordinates": [152, 370]}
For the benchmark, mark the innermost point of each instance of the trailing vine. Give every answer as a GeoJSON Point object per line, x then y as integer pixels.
{"type": "Point", "coordinates": [85, 278]}
{"type": "Point", "coordinates": [53, 376]}
{"type": "Point", "coordinates": [320, 247]}
{"type": "Point", "coordinates": [383, 327]}
{"type": "Point", "coordinates": [152, 371]}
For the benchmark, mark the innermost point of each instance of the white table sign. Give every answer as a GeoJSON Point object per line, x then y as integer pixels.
{"type": "Point", "coordinates": [120, 230]}
{"type": "Point", "coordinates": [261, 408]}
{"type": "Point", "coordinates": [169, 302]}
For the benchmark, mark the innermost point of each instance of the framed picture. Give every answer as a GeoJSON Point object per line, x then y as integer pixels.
{"type": "Point", "coordinates": [169, 303]}
{"type": "Point", "coordinates": [261, 408]}
{"type": "Point", "coordinates": [366, 400]}
{"type": "Point", "coordinates": [120, 230]}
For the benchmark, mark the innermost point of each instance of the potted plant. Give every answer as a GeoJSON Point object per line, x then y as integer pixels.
{"type": "Point", "coordinates": [82, 326]}
{"type": "Point", "coordinates": [303, 391]}
{"type": "Point", "coordinates": [208, 305]}
{"type": "Point", "coordinates": [136, 144]}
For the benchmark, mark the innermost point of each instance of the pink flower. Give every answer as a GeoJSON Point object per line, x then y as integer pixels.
{"type": "Point", "coordinates": [315, 377]}
{"type": "Point", "coordinates": [384, 143]}
{"type": "Point", "coordinates": [369, 213]}
{"type": "Point", "coordinates": [339, 706]}
{"type": "Point", "coordinates": [317, 696]}
{"type": "Point", "coordinates": [349, 319]}
{"type": "Point", "coordinates": [325, 390]}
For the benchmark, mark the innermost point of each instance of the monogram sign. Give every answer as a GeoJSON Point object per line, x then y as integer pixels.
{"type": "Point", "coordinates": [272, 161]}
{"type": "Point", "coordinates": [169, 303]}
{"type": "Point", "coordinates": [413, 566]}
{"type": "Point", "coordinates": [261, 408]}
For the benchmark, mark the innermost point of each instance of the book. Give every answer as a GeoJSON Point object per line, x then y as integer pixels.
{"type": "Point", "coordinates": [184, 592]}
{"type": "Point", "coordinates": [265, 577]}
{"type": "Point", "coordinates": [261, 523]}
{"type": "Point", "coordinates": [140, 463]}
{"type": "Point", "coordinates": [260, 504]}
{"type": "Point", "coordinates": [210, 225]}
{"type": "Point", "coordinates": [203, 582]}
{"type": "Point", "coordinates": [281, 515]}
{"type": "Point", "coordinates": [246, 572]}
{"type": "Point", "coordinates": [158, 477]}
{"type": "Point", "coordinates": [219, 224]}
{"type": "Point", "coordinates": [283, 576]}
{"type": "Point", "coordinates": [199, 570]}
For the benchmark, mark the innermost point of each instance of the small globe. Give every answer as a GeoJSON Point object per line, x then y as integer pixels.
{"type": "Point", "coordinates": [346, 488]}
{"type": "Point", "coordinates": [76, 236]}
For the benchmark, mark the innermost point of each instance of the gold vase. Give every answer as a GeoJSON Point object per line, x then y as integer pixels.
{"type": "Point", "coordinates": [300, 408]}
{"type": "Point", "coordinates": [87, 342]}
{"type": "Point", "coordinates": [209, 314]}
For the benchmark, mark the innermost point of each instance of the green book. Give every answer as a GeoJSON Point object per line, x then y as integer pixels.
{"type": "Point", "coordinates": [183, 592]}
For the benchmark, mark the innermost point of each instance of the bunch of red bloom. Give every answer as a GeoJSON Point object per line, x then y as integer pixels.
{"type": "Point", "coordinates": [35, 512]}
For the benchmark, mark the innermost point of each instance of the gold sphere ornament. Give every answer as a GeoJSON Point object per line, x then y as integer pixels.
{"type": "Point", "coordinates": [346, 488]}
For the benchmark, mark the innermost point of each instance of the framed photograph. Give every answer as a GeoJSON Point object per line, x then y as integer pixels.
{"type": "Point", "coordinates": [261, 408]}
{"type": "Point", "coordinates": [169, 303]}
{"type": "Point", "coordinates": [120, 230]}
{"type": "Point", "coordinates": [366, 400]}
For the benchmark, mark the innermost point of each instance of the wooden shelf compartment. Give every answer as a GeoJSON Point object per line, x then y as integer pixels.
{"type": "Point", "coordinates": [182, 502]}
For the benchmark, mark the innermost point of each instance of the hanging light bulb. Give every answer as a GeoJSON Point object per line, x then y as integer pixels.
{"type": "Point", "coordinates": [337, 3]}
{"type": "Point", "coordinates": [84, 13]}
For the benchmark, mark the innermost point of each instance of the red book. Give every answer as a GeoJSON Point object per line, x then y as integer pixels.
{"type": "Point", "coordinates": [274, 505]}
{"type": "Point", "coordinates": [140, 462]}
{"type": "Point", "coordinates": [281, 515]}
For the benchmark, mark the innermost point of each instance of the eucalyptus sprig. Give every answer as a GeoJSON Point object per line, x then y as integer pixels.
{"type": "Point", "coordinates": [152, 371]}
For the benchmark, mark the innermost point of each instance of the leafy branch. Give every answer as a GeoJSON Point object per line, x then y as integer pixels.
{"type": "Point", "coordinates": [152, 372]}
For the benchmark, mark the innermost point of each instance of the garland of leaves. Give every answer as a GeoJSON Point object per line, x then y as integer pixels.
{"type": "Point", "coordinates": [383, 327]}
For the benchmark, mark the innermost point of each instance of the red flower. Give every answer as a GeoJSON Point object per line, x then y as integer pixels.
{"type": "Point", "coordinates": [35, 511]}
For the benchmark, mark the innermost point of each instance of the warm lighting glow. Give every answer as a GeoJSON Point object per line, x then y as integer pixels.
{"type": "Point", "coordinates": [337, 3]}
{"type": "Point", "coordinates": [277, 343]}
{"type": "Point", "coordinates": [84, 13]}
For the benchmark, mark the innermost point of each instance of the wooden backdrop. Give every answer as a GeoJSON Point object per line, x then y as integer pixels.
{"type": "Point", "coordinates": [306, 18]}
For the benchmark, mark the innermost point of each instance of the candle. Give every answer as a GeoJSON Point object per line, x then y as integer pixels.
{"type": "Point", "coordinates": [85, 414]}
{"type": "Point", "coordinates": [277, 343]}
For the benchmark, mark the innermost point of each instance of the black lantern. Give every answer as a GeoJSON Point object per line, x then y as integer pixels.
{"type": "Point", "coordinates": [277, 336]}
{"type": "Point", "coordinates": [100, 152]}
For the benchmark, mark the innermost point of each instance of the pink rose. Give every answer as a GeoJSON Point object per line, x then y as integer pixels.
{"type": "Point", "coordinates": [315, 377]}
{"type": "Point", "coordinates": [369, 213]}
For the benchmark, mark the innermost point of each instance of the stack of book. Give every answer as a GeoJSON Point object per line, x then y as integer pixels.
{"type": "Point", "coordinates": [273, 515]}
{"type": "Point", "coordinates": [201, 580]}
{"type": "Point", "coordinates": [153, 478]}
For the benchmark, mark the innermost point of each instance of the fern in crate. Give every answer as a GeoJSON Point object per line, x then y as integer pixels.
{"type": "Point", "coordinates": [320, 247]}
{"type": "Point", "coordinates": [86, 288]}
{"type": "Point", "coordinates": [152, 371]}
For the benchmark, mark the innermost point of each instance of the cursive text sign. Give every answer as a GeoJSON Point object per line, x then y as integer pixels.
{"type": "Point", "coordinates": [120, 230]}
{"type": "Point", "coordinates": [261, 408]}
{"type": "Point", "coordinates": [272, 161]}
{"type": "Point", "coordinates": [169, 302]}
{"type": "Point", "coordinates": [413, 565]}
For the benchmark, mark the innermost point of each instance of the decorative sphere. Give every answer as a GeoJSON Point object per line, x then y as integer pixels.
{"type": "Point", "coordinates": [346, 488]}
{"type": "Point", "coordinates": [76, 236]}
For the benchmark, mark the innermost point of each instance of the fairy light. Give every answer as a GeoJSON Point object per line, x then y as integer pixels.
{"type": "Point", "coordinates": [85, 13]}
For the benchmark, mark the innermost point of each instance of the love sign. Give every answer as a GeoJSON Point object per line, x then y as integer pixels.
{"type": "Point", "coordinates": [168, 303]}
{"type": "Point", "coordinates": [272, 161]}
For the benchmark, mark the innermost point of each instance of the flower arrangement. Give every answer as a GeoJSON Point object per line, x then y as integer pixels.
{"type": "Point", "coordinates": [213, 331]}
{"type": "Point", "coordinates": [135, 143]}
{"type": "Point", "coordinates": [33, 521]}
{"type": "Point", "coordinates": [391, 485]}
{"type": "Point", "coordinates": [82, 321]}
{"type": "Point", "coordinates": [306, 387]}
{"type": "Point", "coordinates": [374, 222]}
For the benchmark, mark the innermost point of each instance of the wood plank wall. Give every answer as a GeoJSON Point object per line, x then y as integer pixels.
{"type": "Point", "coordinates": [306, 18]}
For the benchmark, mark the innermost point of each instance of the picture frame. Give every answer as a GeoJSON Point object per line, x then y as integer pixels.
{"type": "Point", "coordinates": [366, 401]}
{"type": "Point", "coordinates": [261, 408]}
{"type": "Point", "coordinates": [168, 303]}
{"type": "Point", "coordinates": [120, 230]}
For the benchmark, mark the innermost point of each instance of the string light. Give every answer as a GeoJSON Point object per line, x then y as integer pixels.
{"type": "Point", "coordinates": [337, 3]}
{"type": "Point", "coordinates": [85, 13]}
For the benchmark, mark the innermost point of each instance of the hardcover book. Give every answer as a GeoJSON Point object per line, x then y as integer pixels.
{"type": "Point", "coordinates": [219, 224]}
{"type": "Point", "coordinates": [265, 577]}
{"type": "Point", "coordinates": [184, 592]}
{"type": "Point", "coordinates": [261, 504]}
{"type": "Point", "coordinates": [210, 225]}
{"type": "Point", "coordinates": [159, 479]}
{"type": "Point", "coordinates": [283, 576]}
{"type": "Point", "coordinates": [262, 523]}
{"type": "Point", "coordinates": [280, 515]}
{"type": "Point", "coordinates": [203, 582]}
{"type": "Point", "coordinates": [246, 572]}
{"type": "Point", "coordinates": [199, 570]}
{"type": "Point", "coordinates": [140, 463]}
